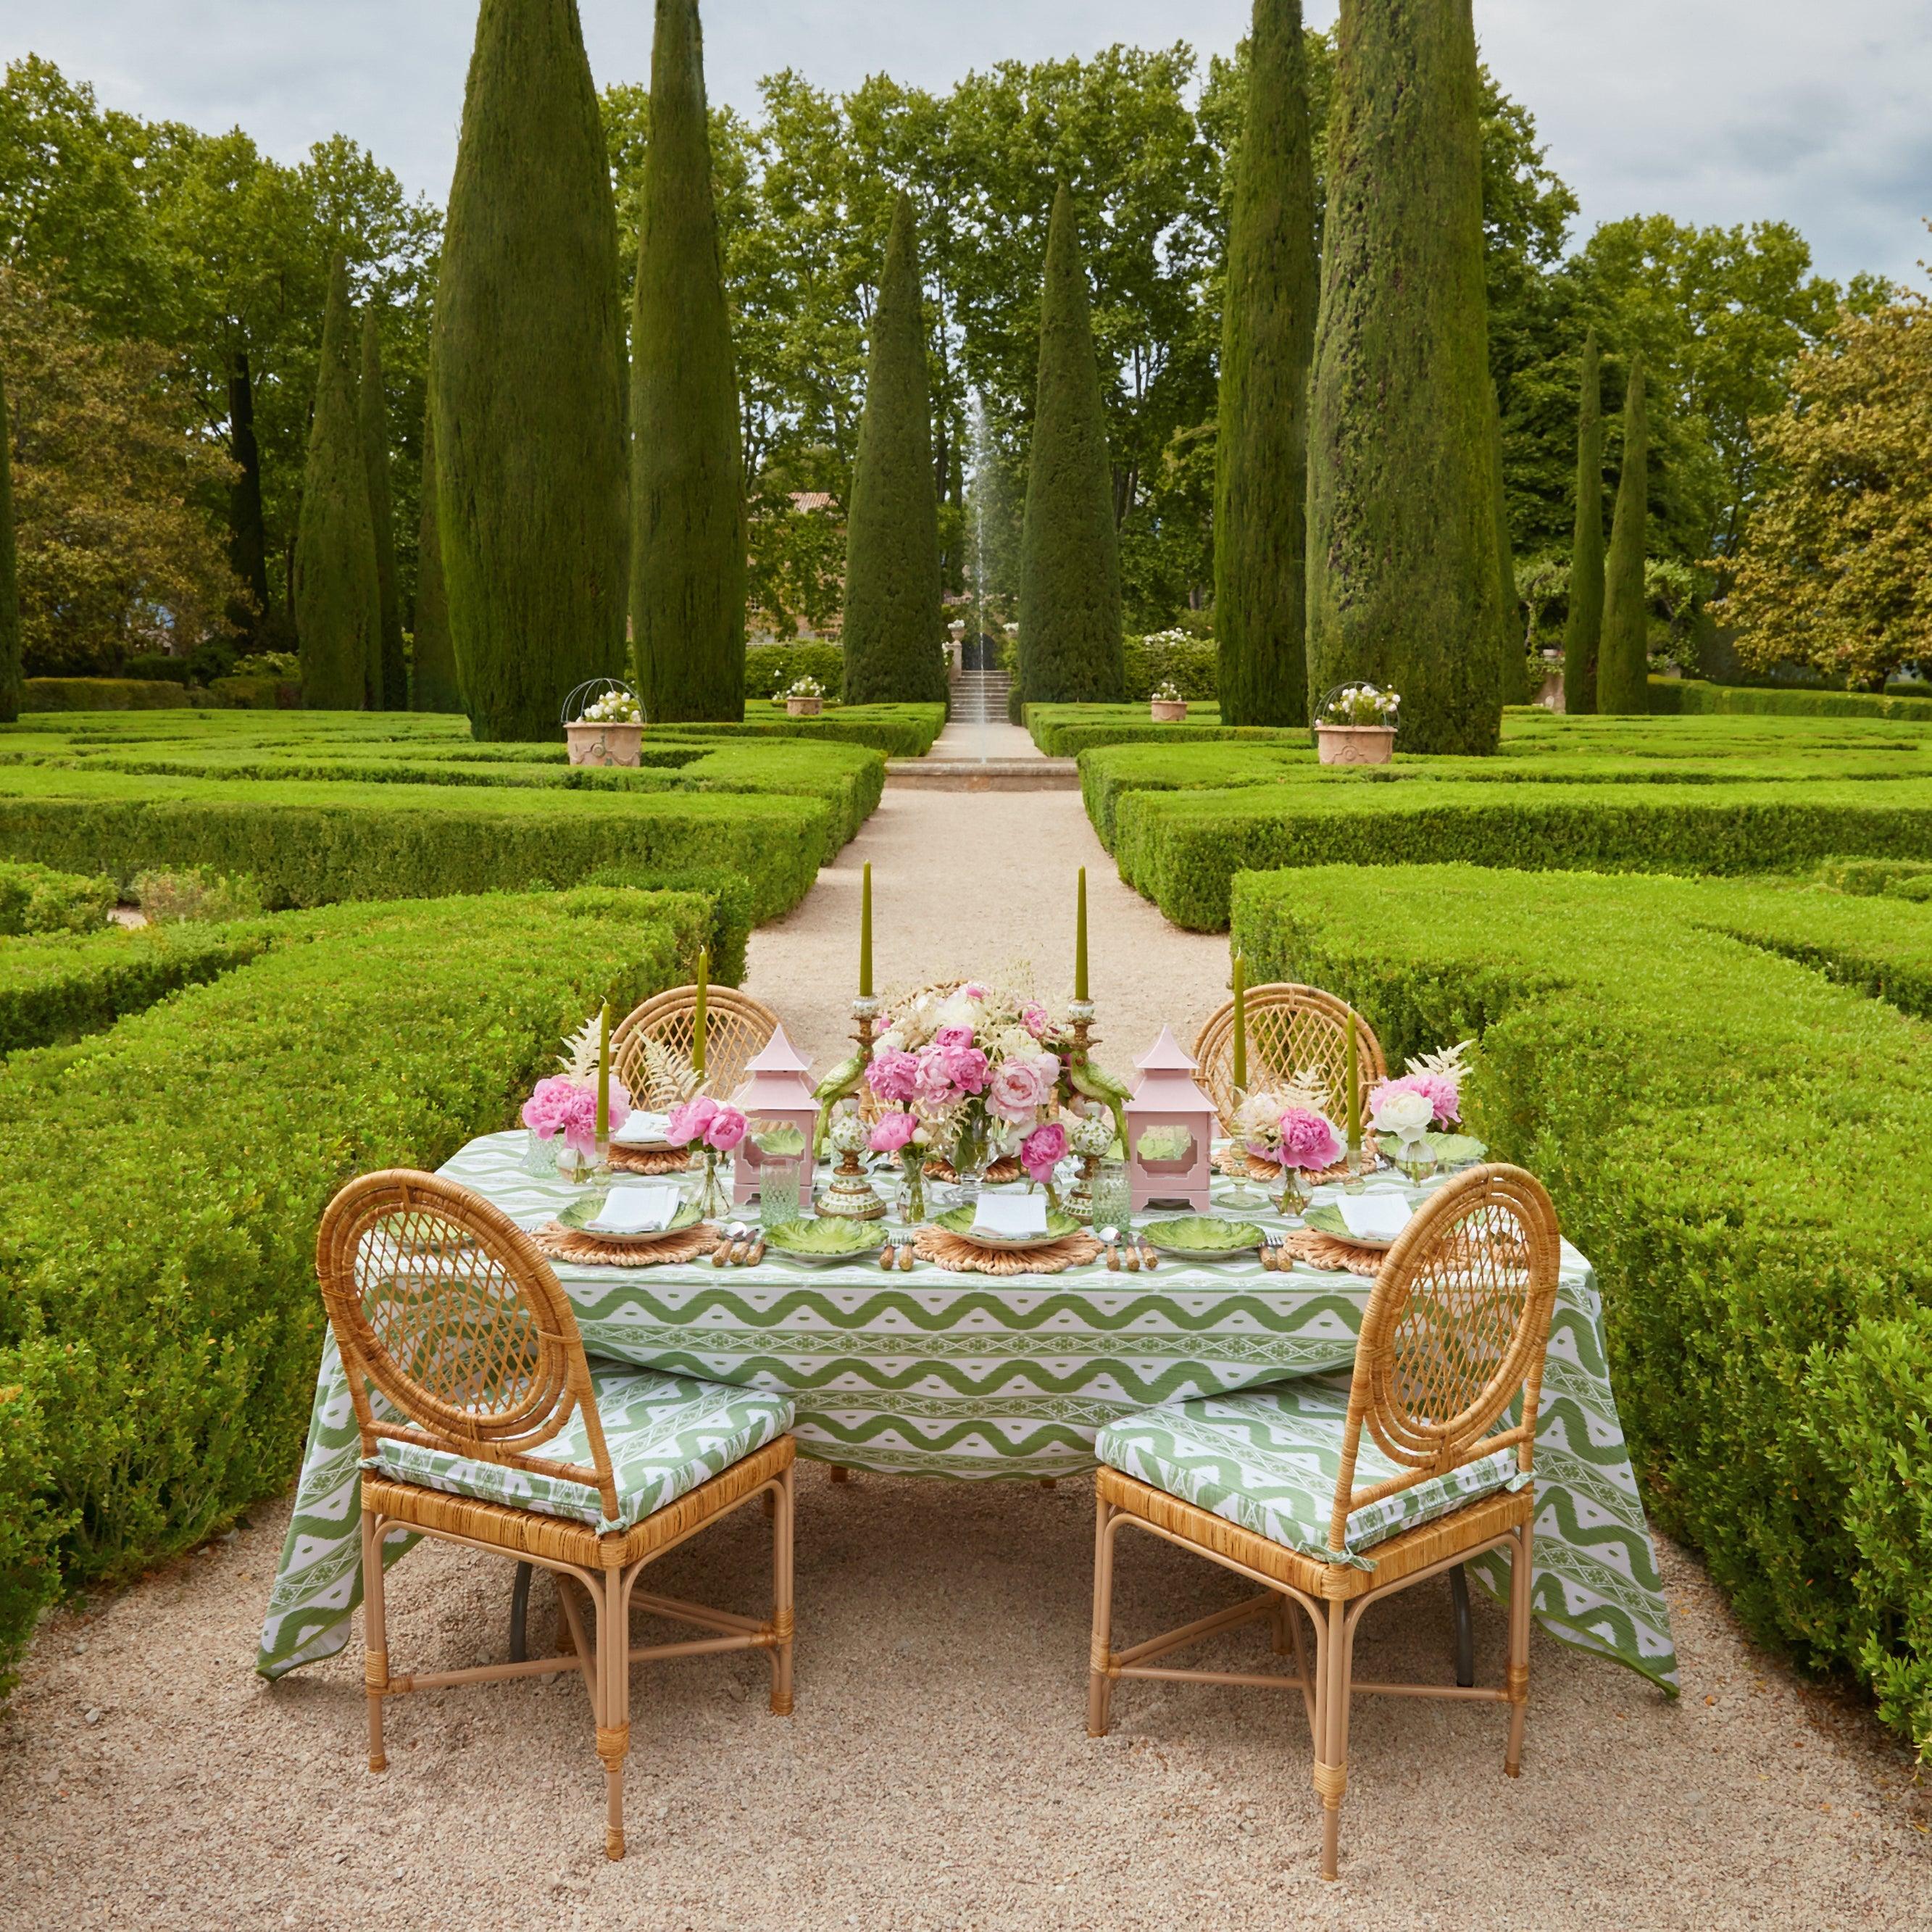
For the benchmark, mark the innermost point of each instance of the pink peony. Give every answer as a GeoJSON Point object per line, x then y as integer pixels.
{"type": "Point", "coordinates": [894, 1132]}
{"type": "Point", "coordinates": [1033, 1018]}
{"type": "Point", "coordinates": [1020, 1088]}
{"type": "Point", "coordinates": [973, 990]}
{"type": "Point", "coordinates": [1308, 1140]}
{"type": "Point", "coordinates": [966, 1067]}
{"type": "Point", "coordinates": [953, 1037]}
{"type": "Point", "coordinates": [690, 1120]}
{"type": "Point", "coordinates": [563, 1106]}
{"type": "Point", "coordinates": [1042, 1151]}
{"type": "Point", "coordinates": [893, 1075]}
{"type": "Point", "coordinates": [933, 1086]}
{"type": "Point", "coordinates": [726, 1130]}
{"type": "Point", "coordinates": [1437, 1089]}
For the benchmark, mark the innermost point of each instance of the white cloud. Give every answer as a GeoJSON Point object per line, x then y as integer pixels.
{"type": "Point", "coordinates": [1718, 111]}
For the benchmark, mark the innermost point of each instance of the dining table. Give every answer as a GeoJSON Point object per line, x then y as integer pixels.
{"type": "Point", "coordinates": [969, 1376]}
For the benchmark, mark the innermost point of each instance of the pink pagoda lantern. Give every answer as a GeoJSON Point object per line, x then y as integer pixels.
{"type": "Point", "coordinates": [776, 1093]}
{"type": "Point", "coordinates": [1170, 1130]}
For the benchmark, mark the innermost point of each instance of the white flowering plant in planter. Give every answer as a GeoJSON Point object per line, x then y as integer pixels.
{"type": "Point", "coordinates": [805, 687]}
{"type": "Point", "coordinates": [1168, 692]}
{"type": "Point", "coordinates": [614, 707]}
{"type": "Point", "coordinates": [1361, 704]}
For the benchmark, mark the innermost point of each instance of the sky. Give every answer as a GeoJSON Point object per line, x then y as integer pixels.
{"type": "Point", "coordinates": [1713, 111]}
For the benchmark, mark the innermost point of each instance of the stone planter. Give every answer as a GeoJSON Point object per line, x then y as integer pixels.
{"type": "Point", "coordinates": [1355, 744]}
{"type": "Point", "coordinates": [605, 744]}
{"type": "Point", "coordinates": [1166, 711]}
{"type": "Point", "coordinates": [804, 707]}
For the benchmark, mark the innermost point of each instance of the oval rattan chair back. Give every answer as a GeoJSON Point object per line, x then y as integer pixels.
{"type": "Point", "coordinates": [1293, 1031]}
{"type": "Point", "coordinates": [651, 1049]}
{"type": "Point", "coordinates": [444, 1305]}
{"type": "Point", "coordinates": [1455, 1331]}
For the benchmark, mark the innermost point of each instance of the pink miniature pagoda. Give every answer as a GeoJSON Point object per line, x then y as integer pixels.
{"type": "Point", "coordinates": [1170, 1130]}
{"type": "Point", "coordinates": [776, 1093]}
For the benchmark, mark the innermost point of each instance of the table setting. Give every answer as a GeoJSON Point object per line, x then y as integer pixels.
{"type": "Point", "coordinates": [954, 1328]}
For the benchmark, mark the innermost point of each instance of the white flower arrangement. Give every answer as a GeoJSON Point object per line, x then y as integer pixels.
{"type": "Point", "coordinates": [1361, 704]}
{"type": "Point", "coordinates": [614, 707]}
{"type": "Point", "coordinates": [1168, 692]}
{"type": "Point", "coordinates": [805, 687]}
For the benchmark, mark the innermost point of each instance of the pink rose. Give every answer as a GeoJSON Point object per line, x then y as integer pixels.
{"type": "Point", "coordinates": [1308, 1140]}
{"type": "Point", "coordinates": [894, 1132]}
{"type": "Point", "coordinates": [1043, 1150]}
{"type": "Point", "coordinates": [726, 1130]}
{"type": "Point", "coordinates": [1440, 1092]}
{"type": "Point", "coordinates": [690, 1120]}
{"type": "Point", "coordinates": [953, 1037]}
{"type": "Point", "coordinates": [1020, 1088]}
{"type": "Point", "coordinates": [966, 1067]}
{"type": "Point", "coordinates": [893, 1075]}
{"type": "Point", "coordinates": [1032, 1017]}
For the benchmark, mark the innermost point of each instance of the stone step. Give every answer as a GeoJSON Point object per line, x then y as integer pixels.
{"type": "Point", "coordinates": [933, 774]}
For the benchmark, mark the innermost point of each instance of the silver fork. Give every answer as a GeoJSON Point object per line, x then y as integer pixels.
{"type": "Point", "coordinates": [1274, 1240]}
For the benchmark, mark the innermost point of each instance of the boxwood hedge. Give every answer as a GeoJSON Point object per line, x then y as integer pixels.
{"type": "Point", "coordinates": [101, 693]}
{"type": "Point", "coordinates": [1671, 696]}
{"type": "Point", "coordinates": [158, 1343]}
{"type": "Point", "coordinates": [34, 898]}
{"type": "Point", "coordinates": [1734, 1139]}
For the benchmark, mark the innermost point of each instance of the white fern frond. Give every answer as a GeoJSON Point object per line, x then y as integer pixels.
{"type": "Point", "coordinates": [1451, 1063]}
{"type": "Point", "coordinates": [668, 1077]}
{"type": "Point", "coordinates": [579, 1057]}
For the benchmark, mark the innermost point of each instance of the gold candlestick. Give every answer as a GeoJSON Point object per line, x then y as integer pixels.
{"type": "Point", "coordinates": [849, 1194]}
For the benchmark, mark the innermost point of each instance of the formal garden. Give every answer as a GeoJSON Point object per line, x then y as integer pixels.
{"type": "Point", "coordinates": [987, 872]}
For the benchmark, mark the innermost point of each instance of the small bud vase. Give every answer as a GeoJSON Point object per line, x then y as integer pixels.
{"type": "Point", "coordinates": [912, 1206]}
{"type": "Point", "coordinates": [710, 1197]}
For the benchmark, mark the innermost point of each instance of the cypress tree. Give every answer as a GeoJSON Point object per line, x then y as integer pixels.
{"type": "Point", "coordinates": [389, 684]}
{"type": "Point", "coordinates": [11, 694]}
{"type": "Point", "coordinates": [892, 548]}
{"type": "Point", "coordinates": [1513, 676]}
{"type": "Point", "coordinates": [1583, 630]}
{"type": "Point", "coordinates": [688, 544]}
{"type": "Point", "coordinates": [1403, 586]}
{"type": "Point", "coordinates": [338, 597]}
{"type": "Point", "coordinates": [527, 379]}
{"type": "Point", "coordinates": [1623, 670]}
{"type": "Point", "coordinates": [1267, 337]}
{"type": "Point", "coordinates": [1070, 645]}
{"type": "Point", "coordinates": [433, 685]}
{"type": "Point", "coordinates": [248, 530]}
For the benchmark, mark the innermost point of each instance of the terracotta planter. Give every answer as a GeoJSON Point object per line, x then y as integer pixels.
{"type": "Point", "coordinates": [1355, 744]}
{"type": "Point", "coordinates": [605, 744]}
{"type": "Point", "coordinates": [1168, 712]}
{"type": "Point", "coordinates": [804, 707]}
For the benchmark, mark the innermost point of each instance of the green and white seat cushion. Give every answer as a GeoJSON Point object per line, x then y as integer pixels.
{"type": "Point", "coordinates": [1267, 1459]}
{"type": "Point", "coordinates": [666, 1434]}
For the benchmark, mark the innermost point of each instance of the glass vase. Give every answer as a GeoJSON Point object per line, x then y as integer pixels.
{"type": "Point", "coordinates": [1292, 1192]}
{"type": "Point", "coordinates": [710, 1198]}
{"type": "Point", "coordinates": [912, 1200]}
{"type": "Point", "coordinates": [1417, 1160]}
{"type": "Point", "coordinates": [972, 1150]}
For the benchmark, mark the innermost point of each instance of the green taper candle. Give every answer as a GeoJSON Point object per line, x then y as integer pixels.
{"type": "Point", "coordinates": [1080, 942]}
{"type": "Point", "coordinates": [1241, 1021]}
{"type": "Point", "coordinates": [603, 1073]}
{"type": "Point", "coordinates": [1354, 1076]}
{"type": "Point", "coordinates": [866, 935]}
{"type": "Point", "coordinates": [698, 1022]}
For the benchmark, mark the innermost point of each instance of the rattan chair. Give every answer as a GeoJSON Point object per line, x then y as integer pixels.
{"type": "Point", "coordinates": [651, 1048]}
{"type": "Point", "coordinates": [1455, 1333]}
{"type": "Point", "coordinates": [464, 1361]}
{"type": "Point", "coordinates": [1291, 1030]}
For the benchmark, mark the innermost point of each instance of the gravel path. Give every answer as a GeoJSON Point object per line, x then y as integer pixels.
{"type": "Point", "coordinates": [937, 1773]}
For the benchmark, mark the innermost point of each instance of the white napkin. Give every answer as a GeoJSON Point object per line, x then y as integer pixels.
{"type": "Point", "coordinates": [643, 1130]}
{"type": "Point", "coordinates": [1377, 1217]}
{"type": "Point", "coordinates": [1010, 1216]}
{"type": "Point", "coordinates": [636, 1210]}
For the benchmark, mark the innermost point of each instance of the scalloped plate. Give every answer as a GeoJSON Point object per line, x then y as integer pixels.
{"type": "Point", "coordinates": [959, 1221]}
{"type": "Point", "coordinates": [578, 1216]}
{"type": "Point", "coordinates": [1327, 1219]}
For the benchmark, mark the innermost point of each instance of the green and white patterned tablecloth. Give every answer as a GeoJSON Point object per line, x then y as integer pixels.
{"type": "Point", "coordinates": [972, 1376]}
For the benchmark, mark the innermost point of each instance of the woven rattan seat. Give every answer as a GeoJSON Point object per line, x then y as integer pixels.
{"type": "Point", "coordinates": [651, 1048]}
{"type": "Point", "coordinates": [1292, 1031]}
{"type": "Point", "coordinates": [1447, 1374]}
{"type": "Point", "coordinates": [481, 1425]}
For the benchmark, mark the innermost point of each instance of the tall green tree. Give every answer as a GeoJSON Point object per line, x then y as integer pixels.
{"type": "Point", "coordinates": [1267, 338]}
{"type": "Point", "coordinates": [338, 594]}
{"type": "Point", "coordinates": [389, 674]}
{"type": "Point", "coordinates": [891, 555]}
{"type": "Point", "coordinates": [1583, 630]}
{"type": "Point", "coordinates": [1403, 586]}
{"type": "Point", "coordinates": [687, 477]}
{"type": "Point", "coordinates": [1623, 666]}
{"type": "Point", "coordinates": [526, 375]}
{"type": "Point", "coordinates": [11, 693]}
{"type": "Point", "coordinates": [432, 682]}
{"type": "Point", "coordinates": [1070, 643]}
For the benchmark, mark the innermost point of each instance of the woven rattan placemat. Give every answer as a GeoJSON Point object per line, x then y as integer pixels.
{"type": "Point", "coordinates": [1325, 1251]}
{"type": "Point", "coordinates": [565, 1244]}
{"type": "Point", "coordinates": [998, 1175]}
{"type": "Point", "coordinates": [1238, 1164]}
{"type": "Point", "coordinates": [650, 1160]}
{"type": "Point", "coordinates": [961, 1256]}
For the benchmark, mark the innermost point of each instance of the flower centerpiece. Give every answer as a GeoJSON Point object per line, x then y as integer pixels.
{"type": "Point", "coordinates": [984, 1071]}
{"type": "Point", "coordinates": [804, 697]}
{"type": "Point", "coordinates": [604, 723]}
{"type": "Point", "coordinates": [1427, 1096]}
{"type": "Point", "coordinates": [1291, 1128]}
{"type": "Point", "coordinates": [907, 1138]}
{"type": "Point", "coordinates": [1167, 706]}
{"type": "Point", "coordinates": [717, 1128]}
{"type": "Point", "coordinates": [572, 1115]}
{"type": "Point", "coordinates": [1355, 725]}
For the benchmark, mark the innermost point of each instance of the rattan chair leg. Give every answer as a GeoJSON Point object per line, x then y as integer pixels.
{"type": "Point", "coordinates": [613, 1727]}
{"type": "Point", "coordinates": [1100, 1682]}
{"type": "Point", "coordinates": [375, 1637]}
{"type": "Point", "coordinates": [840, 1474]}
{"type": "Point", "coordinates": [784, 1517]}
{"type": "Point", "coordinates": [1278, 1628]}
{"type": "Point", "coordinates": [1517, 1680]}
{"type": "Point", "coordinates": [1331, 1761]}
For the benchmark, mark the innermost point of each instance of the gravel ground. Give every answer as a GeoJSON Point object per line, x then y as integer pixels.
{"type": "Point", "coordinates": [937, 1773]}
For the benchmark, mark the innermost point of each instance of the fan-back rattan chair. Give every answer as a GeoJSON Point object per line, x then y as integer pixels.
{"type": "Point", "coordinates": [1454, 1334]}
{"type": "Point", "coordinates": [651, 1048]}
{"type": "Point", "coordinates": [1291, 1030]}
{"type": "Point", "coordinates": [464, 1364]}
